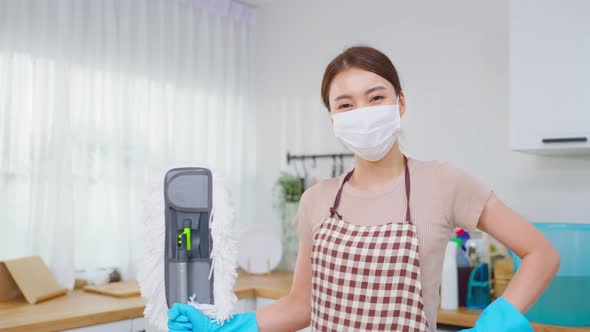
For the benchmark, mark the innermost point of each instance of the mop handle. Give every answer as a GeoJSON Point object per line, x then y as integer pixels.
{"type": "Point", "coordinates": [182, 266]}
{"type": "Point", "coordinates": [182, 283]}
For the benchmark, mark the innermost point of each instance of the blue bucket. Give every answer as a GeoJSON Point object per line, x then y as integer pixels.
{"type": "Point", "coordinates": [566, 300]}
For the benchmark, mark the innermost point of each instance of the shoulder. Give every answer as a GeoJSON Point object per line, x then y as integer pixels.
{"type": "Point", "coordinates": [316, 200]}
{"type": "Point", "coordinates": [449, 180]}
{"type": "Point", "coordinates": [323, 188]}
{"type": "Point", "coordinates": [440, 169]}
{"type": "Point", "coordinates": [444, 176]}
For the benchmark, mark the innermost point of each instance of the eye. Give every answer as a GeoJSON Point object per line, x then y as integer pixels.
{"type": "Point", "coordinates": [376, 98]}
{"type": "Point", "coordinates": [343, 106]}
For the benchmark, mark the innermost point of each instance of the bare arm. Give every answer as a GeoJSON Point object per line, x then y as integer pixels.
{"type": "Point", "coordinates": [292, 312]}
{"type": "Point", "coordinates": [540, 260]}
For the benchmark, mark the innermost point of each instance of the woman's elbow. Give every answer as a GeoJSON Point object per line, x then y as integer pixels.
{"type": "Point", "coordinates": [305, 312]}
{"type": "Point", "coordinates": [301, 309]}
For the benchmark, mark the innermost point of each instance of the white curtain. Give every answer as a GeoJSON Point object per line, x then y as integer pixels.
{"type": "Point", "coordinates": [96, 97]}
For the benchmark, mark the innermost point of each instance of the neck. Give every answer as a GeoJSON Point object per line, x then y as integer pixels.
{"type": "Point", "coordinates": [370, 175]}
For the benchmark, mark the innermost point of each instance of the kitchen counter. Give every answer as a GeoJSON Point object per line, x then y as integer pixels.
{"type": "Point", "coordinates": [76, 309]}
{"type": "Point", "coordinates": [79, 308]}
{"type": "Point", "coordinates": [466, 318]}
{"type": "Point", "coordinates": [272, 286]}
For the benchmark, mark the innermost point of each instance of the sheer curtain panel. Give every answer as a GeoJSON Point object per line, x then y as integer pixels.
{"type": "Point", "coordinates": [97, 97]}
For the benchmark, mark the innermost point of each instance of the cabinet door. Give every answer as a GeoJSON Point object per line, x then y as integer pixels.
{"type": "Point", "coordinates": [118, 326]}
{"type": "Point", "coordinates": [550, 75]}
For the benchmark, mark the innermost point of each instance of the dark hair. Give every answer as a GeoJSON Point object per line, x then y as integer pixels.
{"type": "Point", "coordinates": [363, 57]}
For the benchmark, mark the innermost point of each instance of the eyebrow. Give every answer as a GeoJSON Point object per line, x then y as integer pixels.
{"type": "Point", "coordinates": [373, 89]}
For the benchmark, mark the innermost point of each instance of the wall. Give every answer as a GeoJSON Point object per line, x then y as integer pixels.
{"type": "Point", "coordinates": [453, 60]}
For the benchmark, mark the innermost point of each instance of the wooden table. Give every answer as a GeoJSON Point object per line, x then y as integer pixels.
{"type": "Point", "coordinates": [79, 308]}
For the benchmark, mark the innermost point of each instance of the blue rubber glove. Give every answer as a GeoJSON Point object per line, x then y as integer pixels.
{"type": "Point", "coordinates": [184, 317]}
{"type": "Point", "coordinates": [501, 316]}
{"type": "Point", "coordinates": [180, 324]}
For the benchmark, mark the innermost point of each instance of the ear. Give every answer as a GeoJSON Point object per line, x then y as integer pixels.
{"type": "Point", "coordinates": [402, 103]}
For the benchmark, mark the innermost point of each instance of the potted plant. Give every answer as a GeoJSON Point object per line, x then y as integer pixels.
{"type": "Point", "coordinates": [288, 191]}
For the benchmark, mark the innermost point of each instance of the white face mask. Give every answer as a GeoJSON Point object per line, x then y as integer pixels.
{"type": "Point", "coordinates": [369, 132]}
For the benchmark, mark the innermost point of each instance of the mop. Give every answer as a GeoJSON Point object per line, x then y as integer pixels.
{"type": "Point", "coordinates": [223, 255]}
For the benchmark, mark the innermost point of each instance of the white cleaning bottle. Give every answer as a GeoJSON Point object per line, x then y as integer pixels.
{"type": "Point", "coordinates": [449, 288]}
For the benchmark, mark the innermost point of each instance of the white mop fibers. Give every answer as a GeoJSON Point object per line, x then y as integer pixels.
{"type": "Point", "coordinates": [224, 255]}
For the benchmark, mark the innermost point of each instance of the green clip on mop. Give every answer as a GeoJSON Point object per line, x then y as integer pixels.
{"type": "Point", "coordinates": [223, 255]}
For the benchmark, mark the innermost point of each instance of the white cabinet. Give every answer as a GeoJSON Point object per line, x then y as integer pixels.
{"type": "Point", "coordinates": [138, 325]}
{"type": "Point", "coordinates": [246, 304]}
{"type": "Point", "coordinates": [263, 301]}
{"type": "Point", "coordinates": [550, 76]}
{"type": "Point", "coordinates": [129, 325]}
{"type": "Point", "coordinates": [119, 326]}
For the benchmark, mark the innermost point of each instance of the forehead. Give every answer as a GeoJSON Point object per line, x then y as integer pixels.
{"type": "Point", "coordinates": [354, 81]}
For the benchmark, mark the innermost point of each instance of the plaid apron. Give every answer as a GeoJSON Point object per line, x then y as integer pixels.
{"type": "Point", "coordinates": [366, 278]}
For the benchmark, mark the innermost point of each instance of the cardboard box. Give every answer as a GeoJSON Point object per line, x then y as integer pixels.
{"type": "Point", "coordinates": [8, 288]}
{"type": "Point", "coordinates": [28, 277]}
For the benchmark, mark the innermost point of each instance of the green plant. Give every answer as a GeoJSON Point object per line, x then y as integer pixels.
{"type": "Point", "coordinates": [291, 187]}
{"type": "Point", "coordinates": [287, 193]}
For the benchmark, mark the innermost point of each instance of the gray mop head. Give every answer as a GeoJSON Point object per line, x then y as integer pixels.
{"type": "Point", "coordinates": [224, 256]}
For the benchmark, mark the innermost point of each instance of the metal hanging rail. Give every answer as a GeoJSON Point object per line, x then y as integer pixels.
{"type": "Point", "coordinates": [317, 156]}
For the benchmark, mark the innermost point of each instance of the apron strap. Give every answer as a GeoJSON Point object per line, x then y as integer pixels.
{"type": "Point", "coordinates": [334, 208]}
{"type": "Point", "coordinates": [337, 200]}
{"type": "Point", "coordinates": [407, 183]}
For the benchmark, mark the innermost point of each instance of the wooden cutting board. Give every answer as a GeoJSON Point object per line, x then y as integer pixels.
{"type": "Point", "coordinates": [115, 289]}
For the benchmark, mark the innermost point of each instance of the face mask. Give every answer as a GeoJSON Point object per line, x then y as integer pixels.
{"type": "Point", "coordinates": [369, 132]}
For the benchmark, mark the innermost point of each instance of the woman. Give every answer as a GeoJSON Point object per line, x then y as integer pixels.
{"type": "Point", "coordinates": [372, 240]}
